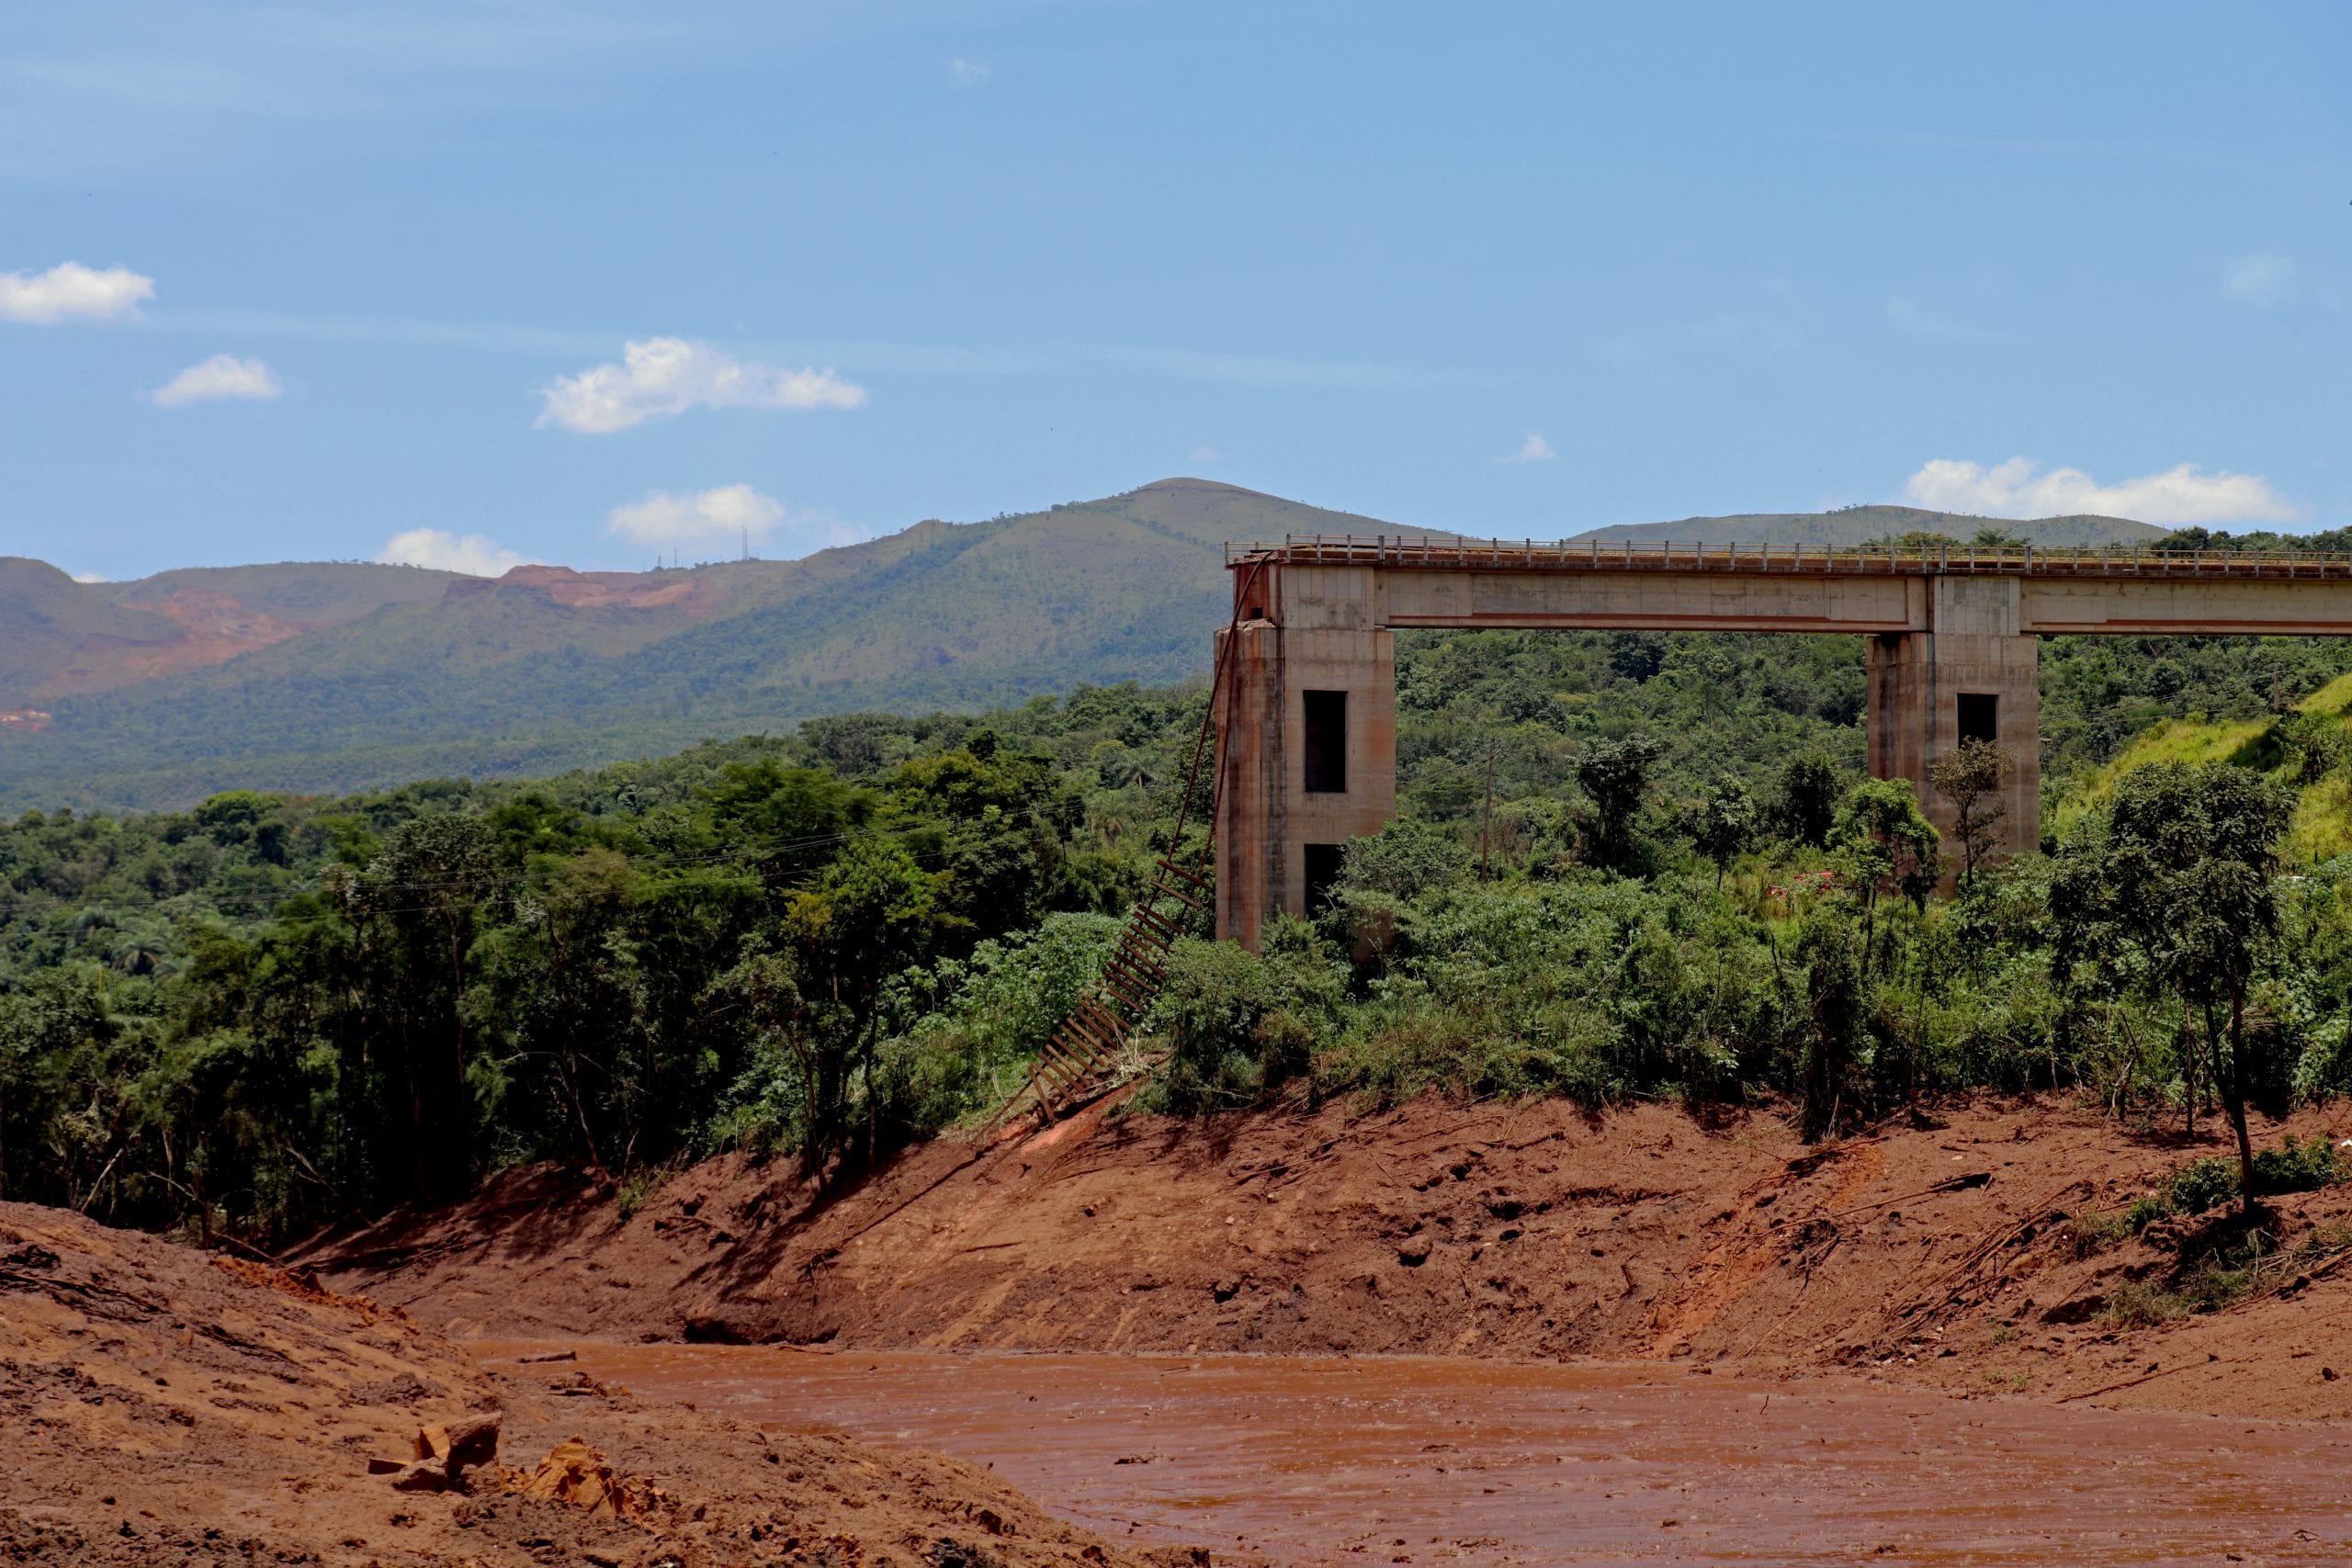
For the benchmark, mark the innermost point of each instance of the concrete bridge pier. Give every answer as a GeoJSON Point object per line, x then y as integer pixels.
{"type": "Point", "coordinates": [1308, 739]}
{"type": "Point", "coordinates": [1974, 675]}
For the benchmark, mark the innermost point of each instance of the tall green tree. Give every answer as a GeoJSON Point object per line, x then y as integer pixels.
{"type": "Point", "coordinates": [1725, 824]}
{"type": "Point", "coordinates": [1971, 777]}
{"type": "Point", "coordinates": [1888, 846]}
{"type": "Point", "coordinates": [1616, 776]}
{"type": "Point", "coordinates": [2180, 869]}
{"type": "Point", "coordinates": [1809, 800]}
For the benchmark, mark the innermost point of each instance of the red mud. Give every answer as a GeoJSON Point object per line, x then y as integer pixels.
{"type": "Point", "coordinates": [160, 1408]}
{"type": "Point", "coordinates": [1454, 1460]}
{"type": "Point", "coordinates": [1936, 1258]}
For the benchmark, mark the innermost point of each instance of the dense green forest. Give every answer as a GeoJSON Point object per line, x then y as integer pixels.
{"type": "Point", "coordinates": [272, 1011]}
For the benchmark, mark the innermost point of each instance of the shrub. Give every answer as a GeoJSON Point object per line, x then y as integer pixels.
{"type": "Point", "coordinates": [2136, 1303]}
{"type": "Point", "coordinates": [1402, 861]}
{"type": "Point", "coordinates": [2211, 1285]}
{"type": "Point", "coordinates": [2296, 1168]}
{"type": "Point", "coordinates": [2200, 1184]}
{"type": "Point", "coordinates": [1238, 1024]}
{"type": "Point", "coordinates": [2088, 1235]}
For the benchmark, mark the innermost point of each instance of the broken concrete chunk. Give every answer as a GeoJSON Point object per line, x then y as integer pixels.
{"type": "Point", "coordinates": [425, 1475]}
{"type": "Point", "coordinates": [458, 1446]}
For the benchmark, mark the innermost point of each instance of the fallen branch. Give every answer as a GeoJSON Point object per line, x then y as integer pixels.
{"type": "Point", "coordinates": [1975, 1179]}
{"type": "Point", "coordinates": [2130, 1383]}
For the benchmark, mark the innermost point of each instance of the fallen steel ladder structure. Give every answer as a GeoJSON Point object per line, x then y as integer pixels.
{"type": "Point", "coordinates": [1091, 1039]}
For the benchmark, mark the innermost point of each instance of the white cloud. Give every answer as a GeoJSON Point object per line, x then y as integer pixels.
{"type": "Point", "coordinates": [2016, 488]}
{"type": "Point", "coordinates": [224, 375]}
{"type": "Point", "coordinates": [92, 576]}
{"type": "Point", "coordinates": [472, 554]}
{"type": "Point", "coordinates": [69, 290]}
{"type": "Point", "coordinates": [1916, 321]}
{"type": "Point", "coordinates": [1535, 449]}
{"type": "Point", "coordinates": [967, 73]}
{"type": "Point", "coordinates": [666, 376]}
{"type": "Point", "coordinates": [720, 521]}
{"type": "Point", "coordinates": [2266, 282]}
{"type": "Point", "coordinates": [667, 520]}
{"type": "Point", "coordinates": [1207, 454]}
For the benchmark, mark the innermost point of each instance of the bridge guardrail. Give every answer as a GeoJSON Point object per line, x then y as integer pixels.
{"type": "Point", "coordinates": [1459, 554]}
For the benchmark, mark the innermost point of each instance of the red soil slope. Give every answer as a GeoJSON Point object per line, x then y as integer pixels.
{"type": "Point", "coordinates": [1936, 1256]}
{"type": "Point", "coordinates": [199, 628]}
{"type": "Point", "coordinates": [162, 1406]}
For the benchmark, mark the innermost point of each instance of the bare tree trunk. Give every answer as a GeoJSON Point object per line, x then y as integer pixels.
{"type": "Point", "coordinates": [2189, 1067]}
{"type": "Point", "coordinates": [2233, 1095]}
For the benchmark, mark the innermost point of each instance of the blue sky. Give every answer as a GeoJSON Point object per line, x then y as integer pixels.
{"type": "Point", "coordinates": [586, 282]}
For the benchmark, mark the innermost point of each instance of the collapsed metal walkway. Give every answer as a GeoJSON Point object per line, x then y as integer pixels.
{"type": "Point", "coordinates": [1086, 1052]}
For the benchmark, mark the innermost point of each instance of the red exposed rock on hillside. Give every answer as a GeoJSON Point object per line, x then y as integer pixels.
{"type": "Point", "coordinates": [697, 593]}
{"type": "Point", "coordinates": [211, 629]}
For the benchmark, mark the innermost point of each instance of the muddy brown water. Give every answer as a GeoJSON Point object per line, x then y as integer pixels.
{"type": "Point", "coordinates": [1434, 1459]}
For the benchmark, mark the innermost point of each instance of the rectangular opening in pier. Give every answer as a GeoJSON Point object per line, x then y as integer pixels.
{"type": "Point", "coordinates": [1322, 876]}
{"type": "Point", "coordinates": [1325, 754]}
{"type": "Point", "coordinates": [1980, 716]}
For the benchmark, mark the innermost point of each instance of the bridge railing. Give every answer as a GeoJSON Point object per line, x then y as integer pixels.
{"type": "Point", "coordinates": [1450, 552]}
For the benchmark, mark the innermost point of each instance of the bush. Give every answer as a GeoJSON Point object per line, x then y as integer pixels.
{"type": "Point", "coordinates": [2296, 1168]}
{"type": "Point", "coordinates": [1593, 987]}
{"type": "Point", "coordinates": [2136, 1303]}
{"type": "Point", "coordinates": [2086, 1236]}
{"type": "Point", "coordinates": [2201, 1184]}
{"type": "Point", "coordinates": [1238, 1026]}
{"type": "Point", "coordinates": [1402, 861]}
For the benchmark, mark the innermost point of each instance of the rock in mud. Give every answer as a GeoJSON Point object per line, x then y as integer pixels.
{"type": "Point", "coordinates": [459, 1446]}
{"type": "Point", "coordinates": [575, 1473]}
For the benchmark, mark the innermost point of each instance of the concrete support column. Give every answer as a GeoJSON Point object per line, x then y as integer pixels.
{"type": "Point", "coordinates": [1309, 755]}
{"type": "Point", "coordinates": [1972, 674]}
{"type": "Point", "coordinates": [1252, 819]}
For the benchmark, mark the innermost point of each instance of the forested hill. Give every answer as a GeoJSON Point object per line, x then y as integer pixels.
{"type": "Point", "coordinates": [334, 677]}
{"type": "Point", "coordinates": [546, 668]}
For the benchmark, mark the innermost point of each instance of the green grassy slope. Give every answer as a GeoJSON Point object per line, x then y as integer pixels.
{"type": "Point", "coordinates": [2276, 745]}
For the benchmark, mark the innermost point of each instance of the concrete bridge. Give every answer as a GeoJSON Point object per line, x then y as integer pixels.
{"type": "Point", "coordinates": [1309, 709]}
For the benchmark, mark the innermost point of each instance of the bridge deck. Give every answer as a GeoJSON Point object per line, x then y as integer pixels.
{"type": "Point", "coordinates": [1416, 552]}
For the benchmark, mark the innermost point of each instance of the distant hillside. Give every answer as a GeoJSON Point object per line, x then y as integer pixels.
{"type": "Point", "coordinates": [47, 619]}
{"type": "Point", "coordinates": [1860, 524]}
{"type": "Point", "coordinates": [60, 638]}
{"type": "Point", "coordinates": [546, 668]}
{"type": "Point", "coordinates": [312, 593]}
{"type": "Point", "coordinates": [328, 677]}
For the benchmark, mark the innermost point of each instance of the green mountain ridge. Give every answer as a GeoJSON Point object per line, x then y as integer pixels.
{"type": "Point", "coordinates": [317, 593]}
{"type": "Point", "coordinates": [544, 670]}
{"type": "Point", "coordinates": [1861, 525]}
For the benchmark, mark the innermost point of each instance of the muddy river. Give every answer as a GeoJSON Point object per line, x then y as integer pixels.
{"type": "Point", "coordinates": [1428, 1460]}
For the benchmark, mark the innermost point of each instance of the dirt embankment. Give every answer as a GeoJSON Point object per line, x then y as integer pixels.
{"type": "Point", "coordinates": [164, 1406]}
{"type": "Point", "coordinates": [1938, 1255]}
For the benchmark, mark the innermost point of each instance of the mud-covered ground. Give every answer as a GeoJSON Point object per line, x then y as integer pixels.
{"type": "Point", "coordinates": [161, 1405]}
{"type": "Point", "coordinates": [1941, 1254]}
